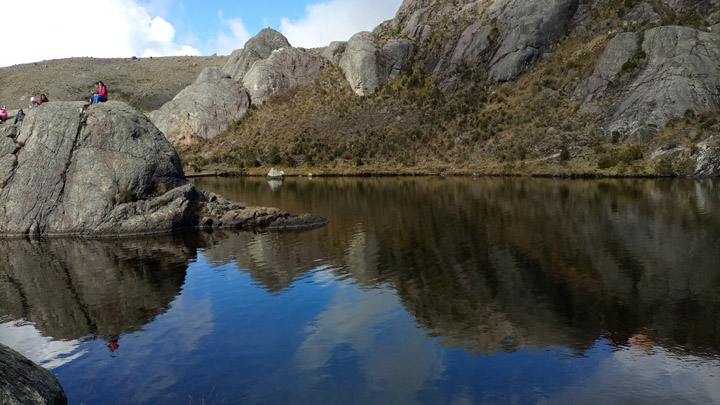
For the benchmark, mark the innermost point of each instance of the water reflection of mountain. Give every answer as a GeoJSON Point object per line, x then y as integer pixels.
{"type": "Point", "coordinates": [72, 288]}
{"type": "Point", "coordinates": [543, 262]}
{"type": "Point", "coordinates": [490, 264]}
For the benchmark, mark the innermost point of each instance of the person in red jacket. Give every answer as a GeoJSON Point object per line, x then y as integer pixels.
{"type": "Point", "coordinates": [102, 95]}
{"type": "Point", "coordinates": [3, 114]}
{"type": "Point", "coordinates": [43, 99]}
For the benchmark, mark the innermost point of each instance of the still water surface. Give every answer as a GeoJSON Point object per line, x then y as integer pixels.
{"type": "Point", "coordinates": [418, 291]}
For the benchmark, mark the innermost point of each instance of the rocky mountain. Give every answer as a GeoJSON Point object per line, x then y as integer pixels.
{"type": "Point", "coordinates": [106, 170]}
{"type": "Point", "coordinates": [553, 87]}
{"type": "Point", "coordinates": [544, 86]}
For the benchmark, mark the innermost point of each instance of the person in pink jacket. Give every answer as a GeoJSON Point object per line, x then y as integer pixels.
{"type": "Point", "coordinates": [3, 114]}
{"type": "Point", "coordinates": [102, 95]}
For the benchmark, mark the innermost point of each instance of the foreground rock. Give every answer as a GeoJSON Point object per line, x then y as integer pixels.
{"type": "Point", "coordinates": [203, 109]}
{"type": "Point", "coordinates": [24, 382]}
{"type": "Point", "coordinates": [106, 171]}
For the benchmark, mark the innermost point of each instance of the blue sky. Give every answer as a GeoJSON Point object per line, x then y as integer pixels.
{"type": "Point", "coordinates": [122, 28]}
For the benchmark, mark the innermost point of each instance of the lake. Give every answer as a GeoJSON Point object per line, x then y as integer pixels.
{"type": "Point", "coordinates": [420, 290]}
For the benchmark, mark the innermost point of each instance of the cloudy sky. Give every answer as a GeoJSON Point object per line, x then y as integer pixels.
{"type": "Point", "coordinates": [52, 29]}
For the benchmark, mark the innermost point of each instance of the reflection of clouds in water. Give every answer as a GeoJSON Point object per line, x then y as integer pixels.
{"type": "Point", "coordinates": [394, 363]}
{"type": "Point", "coordinates": [28, 341]}
{"type": "Point", "coordinates": [190, 321]}
{"type": "Point", "coordinates": [632, 376]}
{"type": "Point", "coordinates": [181, 327]}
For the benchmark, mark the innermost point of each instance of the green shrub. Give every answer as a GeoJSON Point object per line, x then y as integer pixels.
{"type": "Point", "coordinates": [564, 154]}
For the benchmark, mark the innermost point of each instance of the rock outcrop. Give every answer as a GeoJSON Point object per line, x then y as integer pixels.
{"type": "Point", "coordinates": [203, 109]}
{"type": "Point", "coordinates": [284, 69]}
{"type": "Point", "coordinates": [105, 171]}
{"type": "Point", "coordinates": [24, 382]}
{"type": "Point", "coordinates": [682, 74]}
{"type": "Point", "coordinates": [525, 29]}
{"type": "Point", "coordinates": [662, 75]}
{"type": "Point", "coordinates": [257, 48]}
{"type": "Point", "coordinates": [366, 66]}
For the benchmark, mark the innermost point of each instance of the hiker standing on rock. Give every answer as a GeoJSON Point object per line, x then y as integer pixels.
{"type": "Point", "coordinates": [101, 96]}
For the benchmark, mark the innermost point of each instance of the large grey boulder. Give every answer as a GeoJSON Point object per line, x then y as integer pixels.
{"type": "Point", "coordinates": [366, 66]}
{"type": "Point", "coordinates": [257, 48]}
{"type": "Point", "coordinates": [202, 110]}
{"type": "Point", "coordinates": [104, 171]}
{"type": "Point", "coordinates": [525, 29]}
{"type": "Point", "coordinates": [284, 69]}
{"type": "Point", "coordinates": [74, 162]}
{"type": "Point", "coordinates": [24, 382]}
{"type": "Point", "coordinates": [682, 73]}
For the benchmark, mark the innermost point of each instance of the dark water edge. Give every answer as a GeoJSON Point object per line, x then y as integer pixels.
{"type": "Point", "coordinates": [419, 290]}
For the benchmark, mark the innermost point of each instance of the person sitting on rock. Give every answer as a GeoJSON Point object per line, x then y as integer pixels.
{"type": "Point", "coordinates": [20, 116]}
{"type": "Point", "coordinates": [43, 99]}
{"type": "Point", "coordinates": [101, 96]}
{"type": "Point", "coordinates": [33, 102]}
{"type": "Point", "coordinates": [3, 114]}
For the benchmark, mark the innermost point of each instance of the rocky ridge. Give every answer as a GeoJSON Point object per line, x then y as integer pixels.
{"type": "Point", "coordinates": [633, 70]}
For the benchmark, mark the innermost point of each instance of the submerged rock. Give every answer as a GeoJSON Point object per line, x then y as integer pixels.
{"type": "Point", "coordinates": [101, 171]}
{"type": "Point", "coordinates": [24, 382]}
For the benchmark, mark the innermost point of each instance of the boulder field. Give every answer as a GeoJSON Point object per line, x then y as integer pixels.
{"type": "Point", "coordinates": [106, 170]}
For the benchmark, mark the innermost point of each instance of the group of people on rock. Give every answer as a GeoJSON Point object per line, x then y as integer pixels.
{"type": "Point", "coordinates": [100, 95]}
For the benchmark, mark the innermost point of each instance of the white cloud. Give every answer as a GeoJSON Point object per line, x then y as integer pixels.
{"type": "Point", "coordinates": [337, 20]}
{"type": "Point", "coordinates": [239, 35]}
{"type": "Point", "coordinates": [97, 28]}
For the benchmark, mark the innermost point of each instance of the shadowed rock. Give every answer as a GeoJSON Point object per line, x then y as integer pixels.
{"type": "Point", "coordinates": [24, 382]}
{"type": "Point", "coordinates": [525, 28]}
{"type": "Point", "coordinates": [202, 110]}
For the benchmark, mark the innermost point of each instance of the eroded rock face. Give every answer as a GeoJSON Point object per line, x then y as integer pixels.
{"type": "Point", "coordinates": [525, 28]}
{"type": "Point", "coordinates": [202, 110]}
{"type": "Point", "coordinates": [101, 171]}
{"type": "Point", "coordinates": [366, 66]}
{"type": "Point", "coordinates": [257, 48]}
{"type": "Point", "coordinates": [284, 69]}
{"type": "Point", "coordinates": [24, 382]}
{"type": "Point", "coordinates": [682, 73]}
